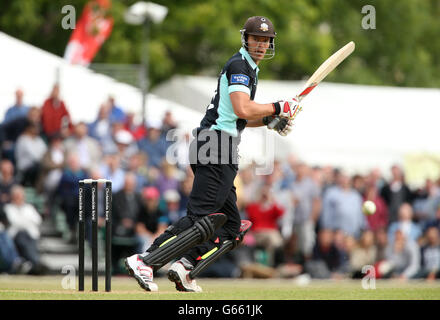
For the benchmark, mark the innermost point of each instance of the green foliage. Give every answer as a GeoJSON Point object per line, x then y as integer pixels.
{"type": "Point", "coordinates": [198, 36]}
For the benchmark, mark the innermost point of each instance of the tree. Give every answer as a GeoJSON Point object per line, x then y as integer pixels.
{"type": "Point", "coordinates": [198, 36]}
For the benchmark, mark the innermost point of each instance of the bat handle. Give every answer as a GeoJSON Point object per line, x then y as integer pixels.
{"type": "Point", "coordinates": [273, 123]}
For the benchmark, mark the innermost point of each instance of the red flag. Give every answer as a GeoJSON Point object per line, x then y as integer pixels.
{"type": "Point", "coordinates": [92, 29]}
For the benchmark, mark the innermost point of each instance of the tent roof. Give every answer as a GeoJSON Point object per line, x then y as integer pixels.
{"type": "Point", "coordinates": [35, 71]}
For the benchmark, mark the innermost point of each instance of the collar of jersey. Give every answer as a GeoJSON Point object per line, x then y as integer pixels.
{"type": "Point", "coordinates": [251, 61]}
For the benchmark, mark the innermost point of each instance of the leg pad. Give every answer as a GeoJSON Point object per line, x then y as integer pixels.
{"type": "Point", "coordinates": [176, 245]}
{"type": "Point", "coordinates": [225, 247]}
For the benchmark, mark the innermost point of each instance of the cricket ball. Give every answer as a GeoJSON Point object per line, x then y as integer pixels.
{"type": "Point", "coordinates": [368, 208]}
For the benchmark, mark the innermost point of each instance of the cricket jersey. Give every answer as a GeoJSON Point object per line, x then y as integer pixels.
{"type": "Point", "coordinates": [240, 73]}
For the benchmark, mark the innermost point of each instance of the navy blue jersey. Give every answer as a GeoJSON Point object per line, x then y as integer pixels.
{"type": "Point", "coordinates": [240, 73]}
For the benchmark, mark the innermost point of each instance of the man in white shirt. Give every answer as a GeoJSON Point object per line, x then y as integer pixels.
{"type": "Point", "coordinates": [24, 226]}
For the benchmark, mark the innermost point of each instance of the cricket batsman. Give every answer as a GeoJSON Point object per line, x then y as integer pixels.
{"type": "Point", "coordinates": [212, 225]}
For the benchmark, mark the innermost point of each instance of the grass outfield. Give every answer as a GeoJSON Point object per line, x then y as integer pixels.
{"type": "Point", "coordinates": [50, 287]}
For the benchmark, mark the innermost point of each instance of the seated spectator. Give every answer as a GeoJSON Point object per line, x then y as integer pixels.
{"type": "Point", "coordinates": [125, 146]}
{"type": "Point", "coordinates": [24, 228]}
{"type": "Point", "coordinates": [86, 147]}
{"type": "Point", "coordinates": [381, 242]}
{"type": "Point", "coordinates": [52, 165]}
{"type": "Point", "coordinates": [307, 207]}
{"type": "Point", "coordinates": [29, 151]}
{"type": "Point", "coordinates": [380, 218]}
{"type": "Point", "coordinates": [395, 193]}
{"type": "Point", "coordinates": [326, 260]}
{"type": "Point", "coordinates": [67, 191]}
{"type": "Point", "coordinates": [330, 176]}
{"type": "Point", "coordinates": [168, 122]}
{"type": "Point", "coordinates": [100, 129]}
{"type": "Point", "coordinates": [362, 255]}
{"type": "Point", "coordinates": [402, 257]}
{"type": "Point", "coordinates": [411, 230]}
{"type": "Point", "coordinates": [288, 168]}
{"type": "Point", "coordinates": [436, 221]}
{"type": "Point", "coordinates": [247, 191]}
{"type": "Point", "coordinates": [181, 151]}
{"type": "Point", "coordinates": [425, 202]}
{"type": "Point", "coordinates": [342, 208]}
{"type": "Point", "coordinates": [430, 255]}
{"type": "Point", "coordinates": [359, 183]}
{"type": "Point", "coordinates": [10, 131]}
{"type": "Point", "coordinates": [185, 189]}
{"type": "Point", "coordinates": [172, 201]}
{"type": "Point", "coordinates": [264, 215]}
{"type": "Point", "coordinates": [10, 260]}
{"type": "Point", "coordinates": [168, 179]}
{"type": "Point", "coordinates": [345, 244]}
{"type": "Point", "coordinates": [7, 180]}
{"type": "Point", "coordinates": [116, 112]}
{"type": "Point", "coordinates": [127, 208]}
{"type": "Point", "coordinates": [154, 144]}
{"type": "Point", "coordinates": [375, 178]}
{"type": "Point", "coordinates": [108, 143]}
{"type": "Point", "coordinates": [55, 117]}
{"type": "Point", "coordinates": [111, 170]}
{"type": "Point", "coordinates": [127, 205]}
{"type": "Point", "coordinates": [18, 110]}
{"type": "Point", "coordinates": [138, 164]}
{"type": "Point", "coordinates": [137, 131]}
{"type": "Point", "coordinates": [152, 220]}
{"type": "Point", "coordinates": [129, 123]}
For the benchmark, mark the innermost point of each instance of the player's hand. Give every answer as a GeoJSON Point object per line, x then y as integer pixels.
{"type": "Point", "coordinates": [270, 119]}
{"type": "Point", "coordinates": [281, 125]}
{"type": "Point", "coordinates": [284, 126]}
{"type": "Point", "coordinates": [286, 108]}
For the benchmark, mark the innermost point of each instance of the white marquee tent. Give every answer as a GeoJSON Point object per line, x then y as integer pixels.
{"type": "Point", "coordinates": [35, 71]}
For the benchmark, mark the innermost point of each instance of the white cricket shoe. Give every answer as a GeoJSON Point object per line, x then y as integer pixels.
{"type": "Point", "coordinates": [179, 274]}
{"type": "Point", "coordinates": [141, 272]}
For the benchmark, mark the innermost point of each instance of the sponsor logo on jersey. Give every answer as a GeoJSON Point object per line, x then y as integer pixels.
{"type": "Point", "coordinates": [240, 79]}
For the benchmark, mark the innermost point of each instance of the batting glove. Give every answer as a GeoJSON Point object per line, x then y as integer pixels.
{"type": "Point", "coordinates": [281, 125]}
{"type": "Point", "coordinates": [286, 108]}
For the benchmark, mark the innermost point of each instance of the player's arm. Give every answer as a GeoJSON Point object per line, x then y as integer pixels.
{"type": "Point", "coordinates": [247, 109]}
{"type": "Point", "coordinates": [255, 123]}
{"type": "Point", "coordinates": [239, 90]}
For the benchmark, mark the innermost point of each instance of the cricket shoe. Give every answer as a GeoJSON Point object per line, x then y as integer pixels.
{"type": "Point", "coordinates": [141, 272]}
{"type": "Point", "coordinates": [179, 274]}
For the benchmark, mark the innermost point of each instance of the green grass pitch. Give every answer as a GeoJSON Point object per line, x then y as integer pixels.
{"type": "Point", "coordinates": [51, 288]}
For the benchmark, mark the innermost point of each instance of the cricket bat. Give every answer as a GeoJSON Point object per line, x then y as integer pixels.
{"type": "Point", "coordinates": [324, 69]}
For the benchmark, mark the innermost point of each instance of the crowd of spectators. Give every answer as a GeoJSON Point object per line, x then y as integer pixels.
{"type": "Point", "coordinates": [322, 231]}
{"type": "Point", "coordinates": [44, 151]}
{"type": "Point", "coordinates": [306, 220]}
